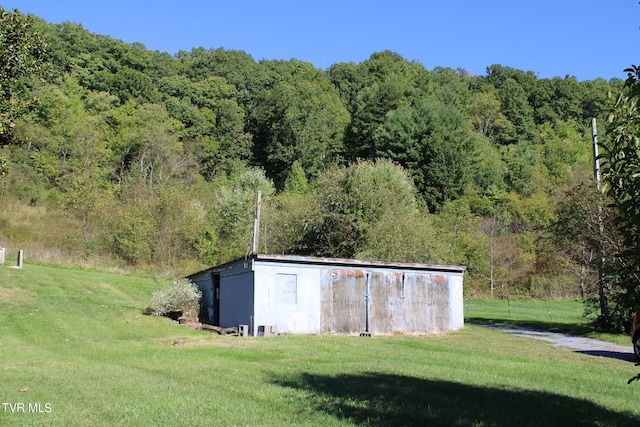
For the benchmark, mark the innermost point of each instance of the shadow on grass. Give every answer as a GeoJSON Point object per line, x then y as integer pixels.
{"type": "Point", "coordinates": [629, 357]}
{"type": "Point", "coordinates": [394, 400]}
{"type": "Point", "coordinates": [577, 329]}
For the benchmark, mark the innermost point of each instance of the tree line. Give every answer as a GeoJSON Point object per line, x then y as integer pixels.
{"type": "Point", "coordinates": [157, 158]}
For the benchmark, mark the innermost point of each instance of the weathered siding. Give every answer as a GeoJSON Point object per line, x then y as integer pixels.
{"type": "Point", "coordinates": [386, 299]}
{"type": "Point", "coordinates": [287, 297]}
{"type": "Point", "coordinates": [386, 302]}
{"type": "Point", "coordinates": [342, 301]}
{"type": "Point", "coordinates": [236, 294]}
{"type": "Point", "coordinates": [427, 307]}
{"type": "Point", "coordinates": [314, 295]}
{"type": "Point", "coordinates": [456, 302]}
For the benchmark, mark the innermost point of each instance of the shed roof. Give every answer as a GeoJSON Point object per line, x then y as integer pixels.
{"type": "Point", "coordinates": [342, 262]}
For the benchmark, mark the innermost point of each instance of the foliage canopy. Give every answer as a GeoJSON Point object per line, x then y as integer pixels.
{"type": "Point", "coordinates": [154, 160]}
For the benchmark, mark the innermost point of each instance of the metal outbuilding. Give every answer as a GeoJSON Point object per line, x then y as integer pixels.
{"type": "Point", "coordinates": [265, 294]}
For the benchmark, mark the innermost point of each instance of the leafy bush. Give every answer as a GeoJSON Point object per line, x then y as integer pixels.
{"type": "Point", "coordinates": [183, 296]}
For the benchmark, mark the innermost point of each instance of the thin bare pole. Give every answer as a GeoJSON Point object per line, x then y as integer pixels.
{"type": "Point", "coordinates": [604, 305]}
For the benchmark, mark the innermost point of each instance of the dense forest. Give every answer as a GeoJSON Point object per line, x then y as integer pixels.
{"type": "Point", "coordinates": [153, 161]}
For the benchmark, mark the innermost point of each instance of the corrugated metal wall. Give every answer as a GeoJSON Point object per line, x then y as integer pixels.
{"type": "Point", "coordinates": [384, 302]}
{"type": "Point", "coordinates": [308, 297]}
{"type": "Point", "coordinates": [342, 305]}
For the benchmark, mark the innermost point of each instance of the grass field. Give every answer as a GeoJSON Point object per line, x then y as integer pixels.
{"type": "Point", "coordinates": [75, 350]}
{"type": "Point", "coordinates": [565, 316]}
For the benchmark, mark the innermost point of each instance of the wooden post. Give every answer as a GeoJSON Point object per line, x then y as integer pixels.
{"type": "Point", "coordinates": [1, 256]}
{"type": "Point", "coordinates": [20, 257]}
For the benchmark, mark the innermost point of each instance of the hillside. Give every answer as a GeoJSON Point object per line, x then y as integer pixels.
{"type": "Point", "coordinates": [127, 157]}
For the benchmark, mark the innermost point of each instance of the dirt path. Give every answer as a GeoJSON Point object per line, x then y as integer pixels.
{"type": "Point", "coordinates": [579, 344]}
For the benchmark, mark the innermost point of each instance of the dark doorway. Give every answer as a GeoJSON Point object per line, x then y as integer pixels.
{"type": "Point", "coordinates": [216, 299]}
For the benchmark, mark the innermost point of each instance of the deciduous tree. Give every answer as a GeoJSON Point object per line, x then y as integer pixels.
{"type": "Point", "coordinates": [22, 57]}
{"type": "Point", "coordinates": [621, 171]}
{"type": "Point", "coordinates": [352, 201]}
{"type": "Point", "coordinates": [306, 122]}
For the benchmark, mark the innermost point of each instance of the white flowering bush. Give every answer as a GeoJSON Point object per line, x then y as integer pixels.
{"type": "Point", "coordinates": [183, 296]}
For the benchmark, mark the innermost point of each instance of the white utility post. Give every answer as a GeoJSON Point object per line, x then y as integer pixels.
{"type": "Point", "coordinates": [604, 305]}
{"type": "Point", "coordinates": [256, 224]}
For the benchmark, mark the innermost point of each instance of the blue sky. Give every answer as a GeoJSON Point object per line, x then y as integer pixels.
{"type": "Point", "coordinates": [586, 39]}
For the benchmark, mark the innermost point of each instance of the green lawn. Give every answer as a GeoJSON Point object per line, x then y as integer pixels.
{"type": "Point", "coordinates": [76, 351]}
{"type": "Point", "coordinates": [552, 315]}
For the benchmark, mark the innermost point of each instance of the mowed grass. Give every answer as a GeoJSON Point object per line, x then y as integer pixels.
{"type": "Point", "coordinates": [565, 316]}
{"type": "Point", "coordinates": [76, 351]}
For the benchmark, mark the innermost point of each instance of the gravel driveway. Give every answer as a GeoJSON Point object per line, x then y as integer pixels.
{"type": "Point", "coordinates": [580, 344]}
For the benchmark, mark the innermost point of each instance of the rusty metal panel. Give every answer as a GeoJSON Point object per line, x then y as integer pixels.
{"type": "Point", "coordinates": [343, 301]}
{"type": "Point", "coordinates": [386, 302]}
{"type": "Point", "coordinates": [351, 296]}
{"type": "Point", "coordinates": [426, 303]}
